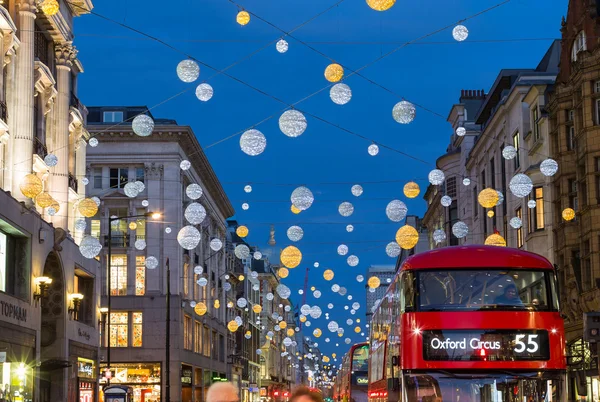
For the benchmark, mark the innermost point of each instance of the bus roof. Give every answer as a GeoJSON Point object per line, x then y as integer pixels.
{"type": "Point", "coordinates": [476, 256]}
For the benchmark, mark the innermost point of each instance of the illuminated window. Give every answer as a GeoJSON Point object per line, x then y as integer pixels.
{"type": "Point", "coordinates": [206, 341]}
{"type": "Point", "coordinates": [118, 275]}
{"type": "Point", "coordinates": [137, 330]}
{"type": "Point", "coordinates": [187, 332]}
{"type": "Point", "coordinates": [535, 123]}
{"type": "Point", "coordinates": [516, 145]}
{"type": "Point", "coordinates": [119, 329]}
{"type": "Point", "coordinates": [197, 337]}
{"type": "Point", "coordinates": [536, 215]}
{"type": "Point", "coordinates": [519, 213]}
{"type": "Point", "coordinates": [95, 228]}
{"type": "Point", "coordinates": [186, 278]}
{"type": "Point", "coordinates": [140, 275]}
{"type": "Point", "coordinates": [140, 231]}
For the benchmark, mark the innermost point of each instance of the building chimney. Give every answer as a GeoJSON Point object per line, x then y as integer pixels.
{"type": "Point", "coordinates": [471, 94]}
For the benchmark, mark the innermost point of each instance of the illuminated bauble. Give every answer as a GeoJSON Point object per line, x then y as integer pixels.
{"type": "Point", "coordinates": [257, 256]}
{"type": "Point", "coordinates": [340, 94]}
{"type": "Point", "coordinates": [515, 222]}
{"type": "Point", "coordinates": [51, 160]}
{"type": "Point", "coordinates": [194, 191]}
{"type": "Point", "coordinates": [241, 251]}
{"type": "Point", "coordinates": [549, 167]}
{"type": "Point", "coordinates": [360, 278]}
{"type": "Point", "coordinates": [253, 142]}
{"type": "Point", "coordinates": [282, 46]}
{"type": "Point", "coordinates": [346, 209]}
{"type": "Point", "coordinates": [202, 281]}
{"type": "Point", "coordinates": [241, 302]}
{"type": "Point", "coordinates": [90, 247]}
{"type": "Point", "coordinates": [316, 264]}
{"type": "Point", "coordinates": [488, 198]}
{"type": "Point", "coordinates": [328, 274]}
{"type": "Point", "coordinates": [204, 92]}
{"type": "Point", "coordinates": [373, 149]}
{"type": "Point", "coordinates": [568, 214]}
{"type": "Point", "coordinates": [509, 152]}
{"type": "Point", "coordinates": [142, 125]}
{"type": "Point", "coordinates": [216, 244]}
{"type": "Point", "coordinates": [446, 201]}
{"type": "Point", "coordinates": [198, 270]}
{"type": "Point", "coordinates": [140, 244]}
{"type": "Point", "coordinates": [49, 7]}
{"type": "Point", "coordinates": [349, 228]}
{"type": "Point", "coordinates": [248, 335]}
{"type": "Point", "coordinates": [44, 200]}
{"type": "Point", "coordinates": [305, 309]}
{"type": "Point", "coordinates": [490, 214]}
{"type": "Point", "coordinates": [131, 190]}
{"type": "Point", "coordinates": [495, 240]}
{"type": "Point", "coordinates": [257, 308]}
{"type": "Point", "coordinates": [302, 318]}
{"type": "Point", "coordinates": [282, 325]}
{"type": "Point", "coordinates": [302, 198]}
{"type": "Point", "coordinates": [242, 18]}
{"type": "Point", "coordinates": [460, 33]}
{"type": "Point", "coordinates": [466, 181]}
{"type": "Point", "coordinates": [133, 226]}
{"type": "Point", "coordinates": [404, 112]}
{"type": "Point", "coordinates": [500, 198]}
{"type": "Point", "coordinates": [407, 237]}
{"type": "Point", "coordinates": [411, 189]}
{"type": "Point", "coordinates": [356, 190]}
{"type": "Point", "coordinates": [317, 333]}
{"type": "Point", "coordinates": [145, 203]}
{"type": "Point", "coordinates": [393, 249]}
{"type": "Point", "coordinates": [232, 326]}
{"type": "Point", "coordinates": [460, 229]}
{"type": "Point", "coordinates": [292, 123]}
{"type": "Point", "coordinates": [295, 233]}
{"type": "Point", "coordinates": [436, 177]}
{"type": "Point", "coordinates": [356, 306]}
{"type": "Point", "coordinates": [283, 291]}
{"type": "Point", "coordinates": [185, 165]}
{"type": "Point", "coordinates": [238, 320]}
{"type": "Point", "coordinates": [315, 312]}
{"type": "Point", "coordinates": [87, 207]}
{"type": "Point", "coordinates": [357, 329]}
{"type": "Point", "coordinates": [342, 249]}
{"type": "Point", "coordinates": [521, 185]}
{"type": "Point", "coordinates": [188, 70]}
{"type": "Point", "coordinates": [396, 210]}
{"type": "Point", "coordinates": [283, 272]}
{"type": "Point", "coordinates": [188, 237]}
{"type": "Point", "coordinates": [248, 188]}
{"type": "Point", "coordinates": [531, 204]}
{"type": "Point", "coordinates": [287, 342]}
{"type": "Point", "coordinates": [461, 131]}
{"type": "Point", "coordinates": [195, 213]}
{"type": "Point", "coordinates": [80, 224]}
{"type": "Point", "coordinates": [334, 72]}
{"type": "Point", "coordinates": [290, 257]}
{"type": "Point", "coordinates": [31, 186]}
{"type": "Point", "coordinates": [242, 231]}
{"type": "Point", "coordinates": [373, 282]}
{"type": "Point", "coordinates": [200, 308]}
{"type": "Point", "coordinates": [352, 260]}
{"type": "Point", "coordinates": [381, 5]}
{"type": "Point", "coordinates": [85, 181]}
{"type": "Point", "coordinates": [93, 142]}
{"type": "Point", "coordinates": [245, 206]}
{"type": "Point", "coordinates": [295, 210]}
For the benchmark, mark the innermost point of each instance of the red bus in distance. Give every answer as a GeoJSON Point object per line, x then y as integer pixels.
{"type": "Point", "coordinates": [351, 381]}
{"type": "Point", "coordinates": [469, 324]}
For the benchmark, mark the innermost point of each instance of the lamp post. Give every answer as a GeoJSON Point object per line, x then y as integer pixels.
{"type": "Point", "coordinates": [154, 215]}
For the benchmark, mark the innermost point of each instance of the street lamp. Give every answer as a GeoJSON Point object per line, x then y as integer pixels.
{"type": "Point", "coordinates": [153, 215]}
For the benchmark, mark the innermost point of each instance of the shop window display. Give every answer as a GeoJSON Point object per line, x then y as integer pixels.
{"type": "Point", "coordinates": [16, 382]}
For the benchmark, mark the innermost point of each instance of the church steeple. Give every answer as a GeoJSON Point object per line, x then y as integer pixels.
{"type": "Point", "coordinates": [272, 236]}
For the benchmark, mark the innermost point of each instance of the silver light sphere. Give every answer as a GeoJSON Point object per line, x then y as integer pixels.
{"type": "Point", "coordinates": [185, 165]}
{"type": "Point", "coordinates": [460, 33]}
{"type": "Point", "coordinates": [396, 210]}
{"type": "Point", "coordinates": [188, 237]}
{"type": "Point", "coordinates": [404, 112]}
{"type": "Point", "coordinates": [139, 185]}
{"type": "Point", "coordinates": [335, 288]}
{"type": "Point", "coordinates": [349, 228]}
{"type": "Point", "coordinates": [90, 247]}
{"type": "Point", "coordinates": [194, 191]}
{"type": "Point", "coordinates": [292, 123]}
{"type": "Point", "coordinates": [466, 181]}
{"type": "Point", "coordinates": [198, 270]}
{"type": "Point", "coordinates": [516, 222]}
{"type": "Point", "coordinates": [253, 142]}
{"type": "Point", "coordinates": [342, 249]}
{"type": "Point", "coordinates": [346, 209]}
{"type": "Point", "coordinates": [130, 190]}
{"type": "Point", "coordinates": [352, 260]}
{"type": "Point", "coordinates": [283, 291]}
{"type": "Point", "coordinates": [80, 224]}
{"type": "Point", "coordinates": [245, 206]}
{"type": "Point", "coordinates": [439, 235]}
{"type": "Point", "coordinates": [51, 160]}
{"type": "Point", "coordinates": [282, 46]}
{"type": "Point", "coordinates": [373, 149]}
{"type": "Point", "coordinates": [520, 185]}
{"type": "Point", "coordinates": [145, 203]}
{"type": "Point", "coordinates": [356, 190]}
{"type": "Point", "coordinates": [446, 201]}
{"type": "Point", "coordinates": [257, 255]}
{"type": "Point", "coordinates": [188, 71]}
{"type": "Point", "coordinates": [195, 213]}
{"type": "Point", "coordinates": [142, 125]}
{"type": "Point", "coordinates": [93, 142]}
{"type": "Point", "coordinates": [202, 281]}
{"type": "Point", "coordinates": [302, 198]}
{"type": "Point", "coordinates": [140, 244]}
{"type": "Point", "coordinates": [531, 204]}
{"type": "Point", "coordinates": [295, 233]}
{"type": "Point", "coordinates": [360, 278]}
{"type": "Point", "coordinates": [204, 92]}
{"type": "Point", "coordinates": [549, 167]}
{"type": "Point", "coordinates": [436, 177]}
{"type": "Point", "coordinates": [509, 152]}
{"type": "Point", "coordinates": [151, 262]}
{"type": "Point", "coordinates": [248, 188]}
{"type": "Point", "coordinates": [460, 229]}
{"type": "Point", "coordinates": [317, 294]}
{"type": "Point", "coordinates": [393, 249]}
{"type": "Point", "coordinates": [241, 251]}
{"type": "Point", "coordinates": [340, 94]}
{"type": "Point", "coordinates": [461, 131]}
{"type": "Point", "coordinates": [500, 198]}
{"type": "Point", "coordinates": [316, 265]}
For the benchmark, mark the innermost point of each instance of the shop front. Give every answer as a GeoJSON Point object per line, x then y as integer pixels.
{"type": "Point", "coordinates": [186, 383]}
{"type": "Point", "coordinates": [86, 380]}
{"type": "Point", "coordinates": [17, 360]}
{"type": "Point", "coordinates": [144, 378]}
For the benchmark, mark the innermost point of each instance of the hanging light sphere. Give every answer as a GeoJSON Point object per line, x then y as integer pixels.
{"type": "Point", "coordinates": [490, 214]}
{"type": "Point", "coordinates": [500, 198]}
{"type": "Point", "coordinates": [242, 302]}
{"type": "Point", "coordinates": [151, 262]}
{"type": "Point", "coordinates": [131, 190]}
{"type": "Point", "coordinates": [407, 237]}
{"type": "Point", "coordinates": [446, 201]}
{"type": "Point", "coordinates": [521, 185]}
{"type": "Point", "coordinates": [302, 198]}
{"type": "Point", "coordinates": [200, 308]}
{"type": "Point", "coordinates": [328, 274]}
{"type": "Point", "coordinates": [87, 207]}
{"type": "Point", "coordinates": [396, 210]}
{"type": "Point", "coordinates": [488, 198]}
{"type": "Point", "coordinates": [185, 165]}
{"type": "Point", "coordinates": [568, 214]}
{"type": "Point", "coordinates": [257, 308]}
{"type": "Point", "coordinates": [253, 142]}
{"type": "Point", "coordinates": [44, 200]}
{"type": "Point", "coordinates": [439, 236]}
{"type": "Point", "coordinates": [342, 249]}
{"type": "Point", "coordinates": [393, 249]}
{"type": "Point", "coordinates": [381, 5]}
{"type": "Point", "coordinates": [509, 152]}
{"type": "Point", "coordinates": [50, 7]}
{"type": "Point", "coordinates": [495, 240]}
{"type": "Point", "coordinates": [346, 209]}
{"type": "Point", "coordinates": [145, 203]}
{"type": "Point", "coordinates": [340, 94]}
{"type": "Point", "coordinates": [242, 18]}
{"type": "Point", "coordinates": [334, 72]}
{"type": "Point", "coordinates": [356, 190]}
{"type": "Point", "coordinates": [531, 204]}
{"type": "Point", "coordinates": [515, 222]}
{"type": "Point", "coordinates": [195, 213]}
{"type": "Point", "coordinates": [373, 149]}
{"type": "Point", "coordinates": [282, 46]}
{"type": "Point", "coordinates": [132, 226]}
{"type": "Point", "coordinates": [360, 278]}
{"type": "Point", "coordinates": [93, 142]}
{"type": "Point", "coordinates": [349, 228]}
{"type": "Point", "coordinates": [241, 251]}
{"type": "Point", "coordinates": [374, 282]}
{"type": "Point", "coordinates": [549, 167]}
{"type": "Point", "coordinates": [242, 231]}
{"type": "Point", "coordinates": [204, 92]}
{"type": "Point", "coordinates": [294, 210]}
{"type": "Point", "coordinates": [245, 206]}
{"type": "Point", "coordinates": [232, 326]}
{"type": "Point", "coordinates": [436, 177]}
{"type": "Point", "coordinates": [292, 123]}
{"type": "Point", "coordinates": [352, 260]}
{"type": "Point", "coordinates": [51, 160]}
{"type": "Point", "coordinates": [411, 190]}
{"type": "Point", "coordinates": [460, 33]}
{"type": "Point", "coordinates": [317, 333]}
{"type": "Point", "coordinates": [80, 224]}
{"type": "Point", "coordinates": [194, 191]}
{"type": "Point", "coordinates": [290, 257]}
{"type": "Point", "coordinates": [257, 256]}
{"type": "Point", "coordinates": [140, 244]}
{"type": "Point", "coordinates": [295, 233]}
{"type": "Point", "coordinates": [188, 237]}
{"type": "Point", "coordinates": [283, 272]}
{"type": "Point", "coordinates": [188, 70]}
{"type": "Point", "coordinates": [282, 324]}
{"type": "Point", "coordinates": [466, 181]}
{"type": "Point", "coordinates": [89, 247]}
{"type": "Point", "coordinates": [461, 131]}
{"type": "Point", "coordinates": [216, 244]}
{"type": "Point", "coordinates": [404, 112]}
{"type": "Point", "coordinates": [31, 186]}
{"type": "Point", "coordinates": [283, 291]}
{"type": "Point", "coordinates": [460, 229]}
{"type": "Point", "coordinates": [142, 125]}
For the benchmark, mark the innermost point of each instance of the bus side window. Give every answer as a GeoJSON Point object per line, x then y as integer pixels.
{"type": "Point", "coordinates": [407, 292]}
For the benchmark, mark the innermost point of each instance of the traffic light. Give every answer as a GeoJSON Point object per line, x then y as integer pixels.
{"type": "Point", "coordinates": [591, 327]}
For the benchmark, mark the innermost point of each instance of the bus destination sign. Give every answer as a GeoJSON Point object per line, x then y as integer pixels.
{"type": "Point", "coordinates": [486, 345]}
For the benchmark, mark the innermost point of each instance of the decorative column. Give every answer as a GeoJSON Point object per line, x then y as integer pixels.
{"type": "Point", "coordinates": [21, 121]}
{"type": "Point", "coordinates": [59, 178]}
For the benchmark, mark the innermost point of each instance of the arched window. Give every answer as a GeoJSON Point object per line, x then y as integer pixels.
{"type": "Point", "coordinates": [579, 44]}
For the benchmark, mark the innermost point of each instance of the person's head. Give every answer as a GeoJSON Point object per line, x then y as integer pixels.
{"type": "Point", "coordinates": [304, 394]}
{"type": "Point", "coordinates": [510, 292]}
{"type": "Point", "coordinates": [222, 392]}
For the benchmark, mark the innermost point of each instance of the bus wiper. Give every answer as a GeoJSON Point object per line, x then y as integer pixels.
{"type": "Point", "coordinates": [519, 375]}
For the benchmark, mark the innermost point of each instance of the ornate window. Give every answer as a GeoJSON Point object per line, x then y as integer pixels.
{"type": "Point", "coordinates": [137, 330]}
{"type": "Point", "coordinates": [118, 275]}
{"type": "Point", "coordinates": [119, 329]}
{"type": "Point", "coordinates": [579, 44]}
{"type": "Point", "coordinates": [140, 275]}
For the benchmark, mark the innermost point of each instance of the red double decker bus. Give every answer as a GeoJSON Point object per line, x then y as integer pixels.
{"type": "Point", "coordinates": [351, 381]}
{"type": "Point", "coordinates": [469, 324]}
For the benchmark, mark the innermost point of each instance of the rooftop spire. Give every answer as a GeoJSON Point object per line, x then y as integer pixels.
{"type": "Point", "coordinates": [272, 236]}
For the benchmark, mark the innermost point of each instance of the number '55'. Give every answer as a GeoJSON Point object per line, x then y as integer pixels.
{"type": "Point", "coordinates": [532, 345]}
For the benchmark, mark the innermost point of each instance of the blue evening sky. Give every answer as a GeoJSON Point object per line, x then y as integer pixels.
{"type": "Point", "coordinates": [123, 68]}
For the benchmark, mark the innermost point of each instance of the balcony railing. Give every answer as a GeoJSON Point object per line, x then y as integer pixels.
{"type": "Point", "coordinates": [73, 182]}
{"type": "Point", "coordinates": [39, 148]}
{"type": "Point", "coordinates": [120, 240]}
{"type": "Point", "coordinates": [3, 111]}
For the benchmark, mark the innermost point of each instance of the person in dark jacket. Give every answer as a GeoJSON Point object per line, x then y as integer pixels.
{"type": "Point", "coordinates": [510, 297]}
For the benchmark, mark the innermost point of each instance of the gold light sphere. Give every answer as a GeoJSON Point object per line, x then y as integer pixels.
{"type": "Point", "coordinates": [334, 72]}
{"type": "Point", "coordinates": [132, 225]}
{"type": "Point", "coordinates": [495, 240]}
{"type": "Point", "coordinates": [328, 274]}
{"type": "Point", "coordinates": [257, 308]}
{"type": "Point", "coordinates": [312, 288]}
{"type": "Point", "coordinates": [232, 326]}
{"type": "Point", "coordinates": [374, 282]}
{"type": "Point", "coordinates": [55, 205]}
{"type": "Point", "coordinates": [31, 186]}
{"type": "Point", "coordinates": [302, 318]}
{"type": "Point", "coordinates": [488, 198]}
{"type": "Point", "coordinates": [243, 18]}
{"type": "Point", "coordinates": [242, 231]}
{"type": "Point", "coordinates": [230, 304]}
{"type": "Point", "coordinates": [334, 355]}
{"type": "Point", "coordinates": [87, 207]}
{"type": "Point", "coordinates": [50, 7]}
{"type": "Point", "coordinates": [290, 257]}
{"type": "Point", "coordinates": [317, 333]}
{"type": "Point", "coordinates": [217, 303]}
{"type": "Point", "coordinates": [282, 324]}
{"type": "Point", "coordinates": [357, 329]}
{"type": "Point", "coordinates": [490, 214]}
{"type": "Point", "coordinates": [290, 332]}
{"type": "Point", "coordinates": [568, 214]}
{"type": "Point", "coordinates": [407, 237]}
{"type": "Point", "coordinates": [411, 189]}
{"type": "Point", "coordinates": [241, 278]}
{"type": "Point", "coordinates": [200, 308]}
{"type": "Point", "coordinates": [283, 272]}
{"type": "Point", "coordinates": [381, 5]}
{"type": "Point", "coordinates": [358, 320]}
{"type": "Point", "coordinates": [44, 200]}
{"type": "Point", "coordinates": [295, 210]}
